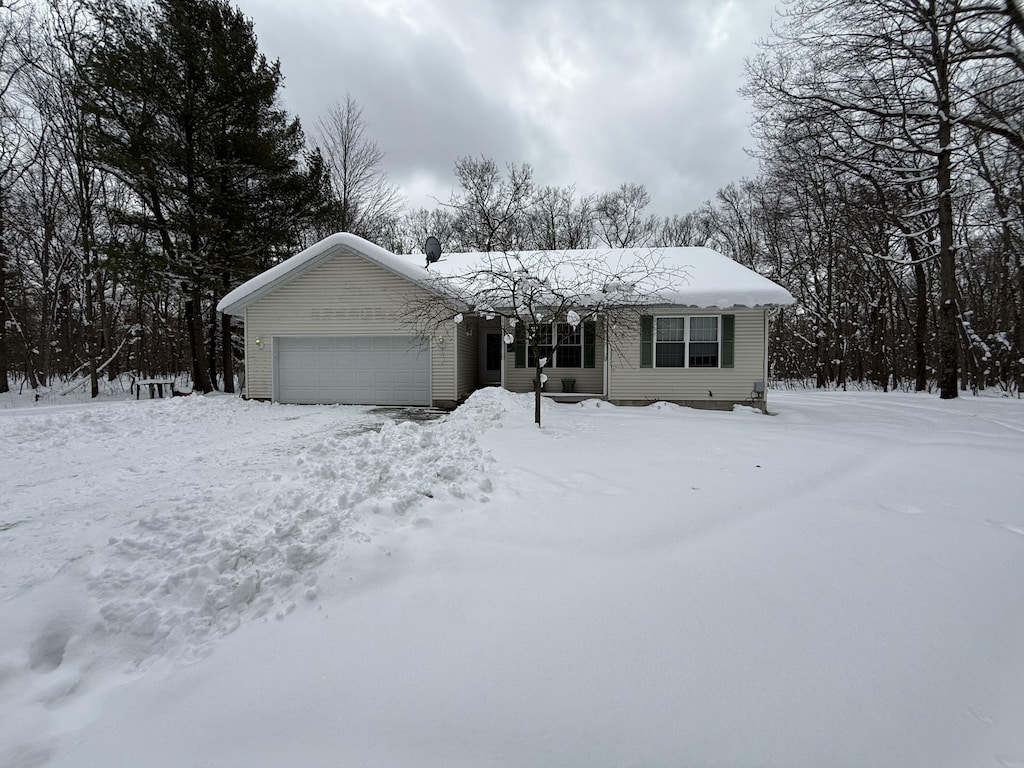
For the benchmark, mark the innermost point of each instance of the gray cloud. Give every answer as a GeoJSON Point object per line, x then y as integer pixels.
{"type": "Point", "coordinates": [590, 92]}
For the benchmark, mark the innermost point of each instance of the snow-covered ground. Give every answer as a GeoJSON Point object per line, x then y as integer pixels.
{"type": "Point", "coordinates": [211, 582]}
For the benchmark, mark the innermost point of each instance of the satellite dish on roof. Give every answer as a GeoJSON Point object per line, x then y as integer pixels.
{"type": "Point", "coordinates": [433, 249]}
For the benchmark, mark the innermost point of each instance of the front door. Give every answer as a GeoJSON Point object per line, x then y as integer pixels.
{"type": "Point", "coordinates": [493, 349]}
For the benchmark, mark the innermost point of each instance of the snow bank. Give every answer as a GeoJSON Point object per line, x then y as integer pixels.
{"type": "Point", "coordinates": [137, 533]}
{"type": "Point", "coordinates": [198, 553]}
{"type": "Point", "coordinates": [828, 586]}
{"type": "Point", "coordinates": [494, 406]}
{"type": "Point", "coordinates": [202, 567]}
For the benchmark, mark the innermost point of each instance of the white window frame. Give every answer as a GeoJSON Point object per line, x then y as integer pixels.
{"type": "Point", "coordinates": [553, 356]}
{"type": "Point", "coordinates": [687, 341]}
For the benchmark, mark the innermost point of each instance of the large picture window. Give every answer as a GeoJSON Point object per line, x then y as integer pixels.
{"type": "Point", "coordinates": [686, 342]}
{"type": "Point", "coordinates": [569, 351]}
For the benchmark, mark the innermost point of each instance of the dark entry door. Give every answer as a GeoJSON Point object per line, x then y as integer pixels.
{"type": "Point", "coordinates": [492, 358]}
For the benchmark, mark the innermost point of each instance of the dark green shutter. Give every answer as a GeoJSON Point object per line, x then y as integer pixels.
{"type": "Point", "coordinates": [589, 344]}
{"type": "Point", "coordinates": [520, 345]}
{"type": "Point", "coordinates": [728, 340]}
{"type": "Point", "coordinates": [646, 341]}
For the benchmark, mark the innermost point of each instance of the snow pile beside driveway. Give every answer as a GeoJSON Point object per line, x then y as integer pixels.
{"type": "Point", "coordinates": [136, 532]}
{"type": "Point", "coordinates": [213, 558]}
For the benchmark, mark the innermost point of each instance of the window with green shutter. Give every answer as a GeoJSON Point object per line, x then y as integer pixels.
{"type": "Point", "coordinates": [728, 341]}
{"type": "Point", "coordinates": [646, 341]}
{"type": "Point", "coordinates": [589, 344]}
{"type": "Point", "coordinates": [520, 345]}
{"type": "Point", "coordinates": [688, 341]}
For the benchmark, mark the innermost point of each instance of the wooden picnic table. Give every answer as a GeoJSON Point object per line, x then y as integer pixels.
{"type": "Point", "coordinates": [156, 387]}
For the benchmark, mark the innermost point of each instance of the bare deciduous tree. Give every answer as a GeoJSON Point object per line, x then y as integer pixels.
{"type": "Point", "coordinates": [558, 220]}
{"type": "Point", "coordinates": [365, 202]}
{"type": "Point", "coordinates": [491, 208]}
{"type": "Point", "coordinates": [877, 87]}
{"type": "Point", "coordinates": [543, 297]}
{"type": "Point", "coordinates": [19, 137]}
{"type": "Point", "coordinates": [621, 222]}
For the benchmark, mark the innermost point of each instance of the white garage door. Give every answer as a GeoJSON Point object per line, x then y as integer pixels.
{"type": "Point", "coordinates": [368, 370]}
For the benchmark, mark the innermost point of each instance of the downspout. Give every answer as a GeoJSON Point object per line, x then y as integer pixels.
{"type": "Point", "coordinates": [455, 357]}
{"type": "Point", "coordinates": [768, 314]}
{"type": "Point", "coordinates": [243, 391]}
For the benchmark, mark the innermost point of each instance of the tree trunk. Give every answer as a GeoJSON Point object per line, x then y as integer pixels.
{"type": "Point", "coordinates": [107, 345]}
{"type": "Point", "coordinates": [1020, 329]}
{"type": "Point", "coordinates": [89, 311]}
{"type": "Point", "coordinates": [536, 396]}
{"type": "Point", "coordinates": [194, 323]}
{"type": "Point", "coordinates": [948, 320]}
{"type": "Point", "coordinates": [211, 346]}
{"type": "Point", "coordinates": [4, 362]}
{"type": "Point", "coordinates": [920, 319]}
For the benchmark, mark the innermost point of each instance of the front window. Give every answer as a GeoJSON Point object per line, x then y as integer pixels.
{"type": "Point", "coordinates": [540, 345]}
{"type": "Point", "coordinates": [670, 343]}
{"type": "Point", "coordinates": [570, 346]}
{"type": "Point", "coordinates": [686, 342]}
{"type": "Point", "coordinates": [703, 352]}
{"type": "Point", "coordinates": [569, 351]}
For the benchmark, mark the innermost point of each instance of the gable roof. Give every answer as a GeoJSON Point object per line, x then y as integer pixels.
{"type": "Point", "coordinates": [711, 279]}
{"type": "Point", "coordinates": [269, 281]}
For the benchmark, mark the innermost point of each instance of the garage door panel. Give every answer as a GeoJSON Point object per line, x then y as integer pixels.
{"type": "Point", "coordinates": [385, 370]}
{"type": "Point", "coordinates": [327, 379]}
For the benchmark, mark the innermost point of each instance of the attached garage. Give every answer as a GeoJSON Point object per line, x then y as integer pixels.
{"type": "Point", "coordinates": [356, 370]}
{"type": "Point", "coordinates": [332, 325]}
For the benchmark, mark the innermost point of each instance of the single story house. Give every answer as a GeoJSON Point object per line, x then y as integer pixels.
{"type": "Point", "coordinates": [329, 325]}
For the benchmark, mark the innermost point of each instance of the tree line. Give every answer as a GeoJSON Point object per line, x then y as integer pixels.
{"type": "Point", "coordinates": [147, 167]}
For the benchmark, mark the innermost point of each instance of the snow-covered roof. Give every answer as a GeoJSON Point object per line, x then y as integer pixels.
{"type": "Point", "coordinates": [701, 277]}
{"type": "Point", "coordinates": [290, 268]}
{"type": "Point", "coordinates": [695, 277]}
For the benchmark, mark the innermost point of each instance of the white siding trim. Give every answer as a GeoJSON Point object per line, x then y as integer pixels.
{"type": "Point", "coordinates": [606, 366]}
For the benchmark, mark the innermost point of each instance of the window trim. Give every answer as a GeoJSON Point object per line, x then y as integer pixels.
{"type": "Point", "coordinates": [686, 342]}
{"type": "Point", "coordinates": [553, 356]}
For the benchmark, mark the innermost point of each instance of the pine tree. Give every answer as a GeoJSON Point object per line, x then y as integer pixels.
{"type": "Point", "coordinates": [187, 115]}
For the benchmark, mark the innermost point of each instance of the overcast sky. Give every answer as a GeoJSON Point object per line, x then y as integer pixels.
{"type": "Point", "coordinates": [589, 92]}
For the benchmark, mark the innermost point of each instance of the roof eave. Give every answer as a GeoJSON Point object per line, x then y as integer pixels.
{"type": "Point", "coordinates": [326, 248]}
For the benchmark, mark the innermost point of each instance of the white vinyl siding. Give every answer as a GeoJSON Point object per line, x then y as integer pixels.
{"type": "Point", "coordinates": [342, 295]}
{"type": "Point", "coordinates": [628, 382]}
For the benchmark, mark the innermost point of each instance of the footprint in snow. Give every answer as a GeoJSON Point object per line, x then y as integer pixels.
{"type": "Point", "coordinates": [1006, 527]}
{"type": "Point", "coordinates": [47, 651]}
{"type": "Point", "coordinates": [903, 509]}
{"type": "Point", "coordinates": [980, 716]}
{"type": "Point", "coordinates": [1009, 761]}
